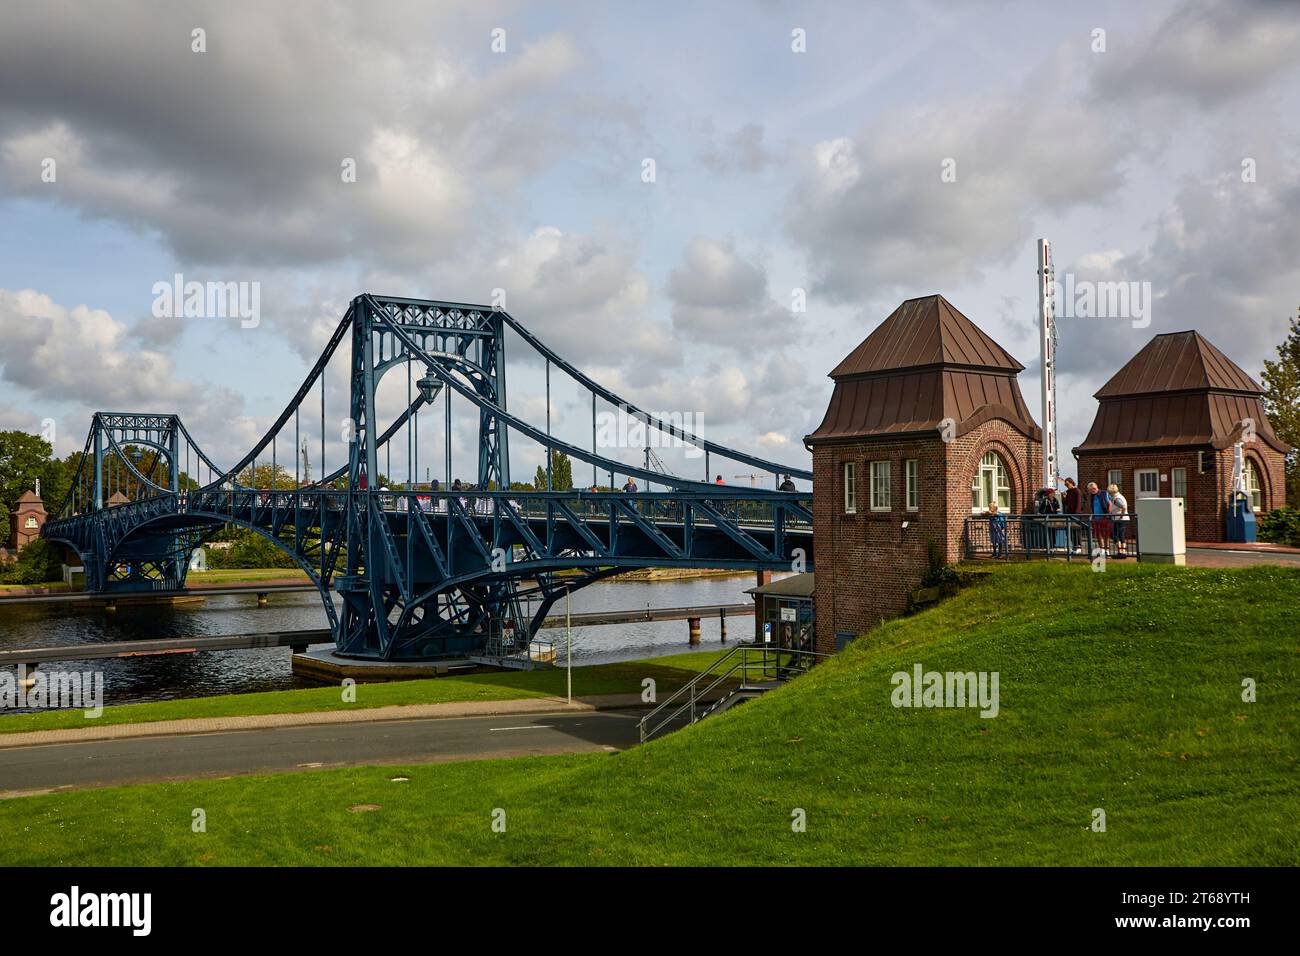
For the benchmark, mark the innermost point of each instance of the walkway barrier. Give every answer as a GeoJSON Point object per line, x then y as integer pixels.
{"type": "Point", "coordinates": [1051, 536]}
{"type": "Point", "coordinates": [745, 671]}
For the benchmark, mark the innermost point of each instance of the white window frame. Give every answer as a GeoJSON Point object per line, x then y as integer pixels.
{"type": "Point", "coordinates": [912, 484]}
{"type": "Point", "coordinates": [1177, 478]}
{"type": "Point", "coordinates": [1115, 476]}
{"type": "Point", "coordinates": [849, 471]}
{"type": "Point", "coordinates": [1137, 483]}
{"type": "Point", "coordinates": [880, 496]}
{"type": "Point", "coordinates": [1250, 475]}
{"type": "Point", "coordinates": [991, 461]}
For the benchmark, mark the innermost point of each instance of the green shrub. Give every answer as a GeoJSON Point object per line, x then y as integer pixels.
{"type": "Point", "coordinates": [38, 563]}
{"type": "Point", "coordinates": [938, 573]}
{"type": "Point", "coordinates": [1281, 526]}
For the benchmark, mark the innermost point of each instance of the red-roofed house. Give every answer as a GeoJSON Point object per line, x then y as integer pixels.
{"type": "Point", "coordinates": [1166, 426]}
{"type": "Point", "coordinates": [925, 427]}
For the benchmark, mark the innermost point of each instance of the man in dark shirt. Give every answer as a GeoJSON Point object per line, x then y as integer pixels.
{"type": "Point", "coordinates": [1072, 505]}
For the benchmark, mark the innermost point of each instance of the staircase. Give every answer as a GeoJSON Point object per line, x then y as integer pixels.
{"type": "Point", "coordinates": [743, 673]}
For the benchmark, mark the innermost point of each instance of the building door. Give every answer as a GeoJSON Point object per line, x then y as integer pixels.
{"type": "Point", "coordinates": [1146, 483]}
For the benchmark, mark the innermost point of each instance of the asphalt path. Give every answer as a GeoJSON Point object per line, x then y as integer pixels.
{"type": "Point", "coordinates": [101, 763]}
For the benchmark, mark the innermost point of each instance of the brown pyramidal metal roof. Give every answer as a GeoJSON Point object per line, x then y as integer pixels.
{"type": "Point", "coordinates": [1178, 391]}
{"type": "Point", "coordinates": [925, 331]}
{"type": "Point", "coordinates": [925, 363]}
{"type": "Point", "coordinates": [1177, 362]}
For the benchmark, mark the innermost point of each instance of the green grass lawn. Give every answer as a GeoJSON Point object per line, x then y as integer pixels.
{"type": "Point", "coordinates": [668, 672]}
{"type": "Point", "coordinates": [244, 576]}
{"type": "Point", "coordinates": [1120, 691]}
{"type": "Point", "coordinates": [54, 587]}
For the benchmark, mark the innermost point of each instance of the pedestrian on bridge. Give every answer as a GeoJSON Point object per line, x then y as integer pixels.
{"type": "Point", "coordinates": [630, 485]}
{"type": "Point", "coordinates": [787, 484]}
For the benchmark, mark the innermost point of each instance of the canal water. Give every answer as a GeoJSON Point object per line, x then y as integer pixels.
{"type": "Point", "coordinates": [163, 677]}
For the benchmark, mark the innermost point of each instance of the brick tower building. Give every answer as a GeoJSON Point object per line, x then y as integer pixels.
{"type": "Point", "coordinates": [1166, 426]}
{"type": "Point", "coordinates": [926, 425]}
{"type": "Point", "coordinates": [26, 520]}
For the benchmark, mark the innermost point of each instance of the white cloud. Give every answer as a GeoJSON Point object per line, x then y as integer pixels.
{"type": "Point", "coordinates": [722, 299]}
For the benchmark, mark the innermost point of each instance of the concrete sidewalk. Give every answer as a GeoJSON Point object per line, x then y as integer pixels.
{"type": "Point", "coordinates": [203, 725]}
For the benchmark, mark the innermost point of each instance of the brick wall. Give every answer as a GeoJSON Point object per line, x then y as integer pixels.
{"type": "Point", "coordinates": [1207, 494]}
{"type": "Point", "coordinates": [867, 562]}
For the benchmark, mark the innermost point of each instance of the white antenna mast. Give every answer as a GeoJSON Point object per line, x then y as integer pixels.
{"type": "Point", "coordinates": [1047, 330]}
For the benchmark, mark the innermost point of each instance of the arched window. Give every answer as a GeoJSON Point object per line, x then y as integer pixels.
{"type": "Point", "coordinates": [1253, 488]}
{"type": "Point", "coordinates": [990, 484]}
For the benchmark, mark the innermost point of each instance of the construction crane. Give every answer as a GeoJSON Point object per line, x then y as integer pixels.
{"type": "Point", "coordinates": [653, 462]}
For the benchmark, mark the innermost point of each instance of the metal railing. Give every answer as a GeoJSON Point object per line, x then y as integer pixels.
{"type": "Point", "coordinates": [759, 666]}
{"type": "Point", "coordinates": [1051, 536]}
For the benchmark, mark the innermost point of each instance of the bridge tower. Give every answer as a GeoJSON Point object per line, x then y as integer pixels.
{"type": "Point", "coordinates": [406, 334]}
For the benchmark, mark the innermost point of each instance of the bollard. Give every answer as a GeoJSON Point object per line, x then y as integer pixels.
{"type": "Point", "coordinates": [722, 620]}
{"type": "Point", "coordinates": [694, 624]}
{"type": "Point", "coordinates": [261, 599]}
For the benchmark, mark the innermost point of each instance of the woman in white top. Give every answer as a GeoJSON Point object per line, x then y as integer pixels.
{"type": "Point", "coordinates": [1119, 514]}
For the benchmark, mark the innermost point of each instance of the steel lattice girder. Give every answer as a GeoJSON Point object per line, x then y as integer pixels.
{"type": "Point", "coordinates": [426, 580]}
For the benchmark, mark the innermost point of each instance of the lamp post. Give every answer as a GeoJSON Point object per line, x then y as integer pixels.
{"type": "Point", "coordinates": [568, 637]}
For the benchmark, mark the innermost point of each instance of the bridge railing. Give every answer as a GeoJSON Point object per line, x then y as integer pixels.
{"type": "Point", "coordinates": [756, 507]}
{"type": "Point", "coordinates": [1051, 536]}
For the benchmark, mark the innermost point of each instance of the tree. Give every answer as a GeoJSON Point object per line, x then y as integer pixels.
{"type": "Point", "coordinates": [25, 458]}
{"type": "Point", "coordinates": [561, 473]}
{"type": "Point", "coordinates": [278, 478]}
{"type": "Point", "coordinates": [1282, 404]}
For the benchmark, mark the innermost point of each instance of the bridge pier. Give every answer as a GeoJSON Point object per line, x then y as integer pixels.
{"type": "Point", "coordinates": [110, 607]}
{"type": "Point", "coordinates": [722, 621]}
{"type": "Point", "coordinates": [694, 624]}
{"type": "Point", "coordinates": [261, 599]}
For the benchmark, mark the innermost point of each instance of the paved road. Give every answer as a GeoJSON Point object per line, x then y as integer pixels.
{"type": "Point", "coordinates": [1220, 558]}
{"type": "Point", "coordinates": [137, 759]}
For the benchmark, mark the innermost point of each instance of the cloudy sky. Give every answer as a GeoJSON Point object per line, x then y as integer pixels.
{"type": "Point", "coordinates": [861, 153]}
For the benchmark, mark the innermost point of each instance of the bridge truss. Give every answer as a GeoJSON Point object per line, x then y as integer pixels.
{"type": "Point", "coordinates": [419, 571]}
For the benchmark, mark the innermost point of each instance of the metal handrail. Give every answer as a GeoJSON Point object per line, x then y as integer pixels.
{"type": "Point", "coordinates": [770, 662]}
{"type": "Point", "coordinates": [1055, 535]}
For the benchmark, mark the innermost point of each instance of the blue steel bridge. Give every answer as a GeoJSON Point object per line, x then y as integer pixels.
{"type": "Point", "coordinates": [421, 573]}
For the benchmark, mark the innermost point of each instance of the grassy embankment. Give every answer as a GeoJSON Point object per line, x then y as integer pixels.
{"type": "Point", "coordinates": [244, 576]}
{"type": "Point", "coordinates": [193, 579]}
{"type": "Point", "coordinates": [1120, 691]}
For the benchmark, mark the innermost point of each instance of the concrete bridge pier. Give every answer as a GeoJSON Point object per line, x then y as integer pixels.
{"type": "Point", "coordinates": [722, 620]}
{"type": "Point", "coordinates": [261, 599]}
{"type": "Point", "coordinates": [694, 624]}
